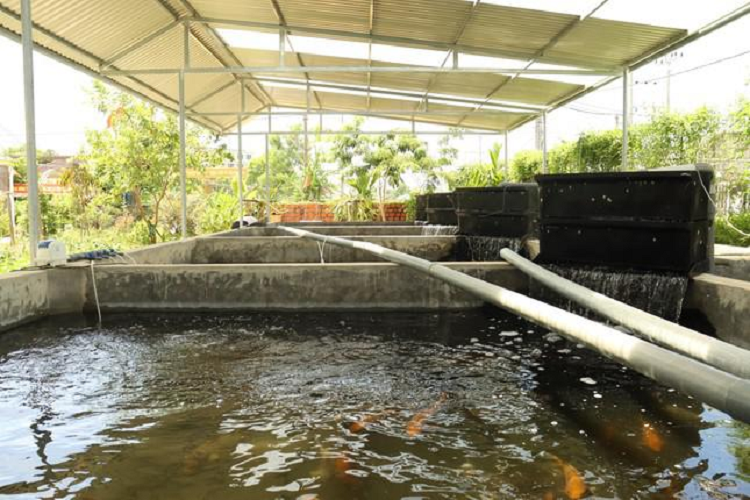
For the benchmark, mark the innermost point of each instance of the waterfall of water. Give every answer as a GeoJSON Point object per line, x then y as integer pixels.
{"type": "Point", "coordinates": [487, 248]}
{"type": "Point", "coordinates": [438, 230]}
{"type": "Point", "coordinates": [660, 294]}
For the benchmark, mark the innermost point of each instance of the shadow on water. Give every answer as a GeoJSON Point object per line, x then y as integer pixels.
{"type": "Point", "coordinates": [362, 405]}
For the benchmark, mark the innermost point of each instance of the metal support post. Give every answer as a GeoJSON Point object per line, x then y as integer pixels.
{"type": "Point", "coordinates": [183, 140]}
{"type": "Point", "coordinates": [506, 167]}
{"type": "Point", "coordinates": [625, 115]}
{"type": "Point", "coordinates": [545, 166]}
{"type": "Point", "coordinates": [282, 47]}
{"type": "Point", "coordinates": [240, 161]}
{"type": "Point", "coordinates": [268, 172]}
{"type": "Point", "coordinates": [27, 43]}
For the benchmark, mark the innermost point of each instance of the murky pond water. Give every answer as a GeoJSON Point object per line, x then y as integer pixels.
{"type": "Point", "coordinates": [339, 406]}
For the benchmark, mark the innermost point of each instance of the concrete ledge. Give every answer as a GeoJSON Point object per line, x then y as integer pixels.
{"type": "Point", "coordinates": [173, 252]}
{"type": "Point", "coordinates": [293, 249]}
{"type": "Point", "coordinates": [726, 304]}
{"type": "Point", "coordinates": [288, 286]}
{"type": "Point", "coordinates": [23, 297]}
{"type": "Point", "coordinates": [336, 230]}
{"type": "Point", "coordinates": [733, 266]}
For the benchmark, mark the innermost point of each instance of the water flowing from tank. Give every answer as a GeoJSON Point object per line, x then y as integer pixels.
{"type": "Point", "coordinates": [438, 230]}
{"type": "Point", "coordinates": [660, 294]}
{"type": "Point", "coordinates": [487, 248]}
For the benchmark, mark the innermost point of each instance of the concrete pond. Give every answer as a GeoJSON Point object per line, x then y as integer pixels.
{"type": "Point", "coordinates": [253, 363]}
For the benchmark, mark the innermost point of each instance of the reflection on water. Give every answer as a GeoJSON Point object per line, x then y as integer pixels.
{"type": "Point", "coordinates": [337, 406]}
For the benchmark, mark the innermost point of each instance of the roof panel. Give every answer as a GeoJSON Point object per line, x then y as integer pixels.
{"type": "Point", "coordinates": [92, 25]}
{"type": "Point", "coordinates": [520, 31]}
{"type": "Point", "coordinates": [533, 91]}
{"type": "Point", "coordinates": [87, 33]}
{"type": "Point", "coordinates": [431, 20]}
{"type": "Point", "coordinates": [350, 15]}
{"type": "Point", "coordinates": [236, 10]}
{"type": "Point", "coordinates": [610, 43]}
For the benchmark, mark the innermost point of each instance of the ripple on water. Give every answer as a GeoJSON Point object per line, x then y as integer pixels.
{"type": "Point", "coordinates": [459, 405]}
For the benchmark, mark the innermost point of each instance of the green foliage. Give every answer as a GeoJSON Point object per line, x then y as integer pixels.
{"type": "Point", "coordinates": [474, 175]}
{"type": "Point", "coordinates": [525, 165]}
{"type": "Point", "coordinates": [218, 212]}
{"type": "Point", "coordinates": [740, 124]}
{"type": "Point", "coordinates": [138, 153]}
{"type": "Point", "coordinates": [478, 174]}
{"type": "Point", "coordinates": [676, 139]}
{"type": "Point", "coordinates": [374, 165]}
{"type": "Point", "coordinates": [292, 178]}
{"type": "Point", "coordinates": [17, 156]}
{"type": "Point", "coordinates": [733, 229]}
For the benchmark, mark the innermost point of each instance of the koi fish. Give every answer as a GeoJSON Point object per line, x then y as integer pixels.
{"type": "Point", "coordinates": [374, 418]}
{"type": "Point", "coordinates": [575, 486]}
{"type": "Point", "coordinates": [652, 439]}
{"type": "Point", "coordinates": [414, 427]}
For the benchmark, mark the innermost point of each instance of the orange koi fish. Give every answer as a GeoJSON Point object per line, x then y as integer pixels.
{"type": "Point", "coordinates": [575, 486]}
{"type": "Point", "coordinates": [652, 439]}
{"type": "Point", "coordinates": [414, 427]}
{"type": "Point", "coordinates": [374, 418]}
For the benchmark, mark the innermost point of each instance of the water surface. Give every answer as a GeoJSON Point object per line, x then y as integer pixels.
{"type": "Point", "coordinates": [338, 406]}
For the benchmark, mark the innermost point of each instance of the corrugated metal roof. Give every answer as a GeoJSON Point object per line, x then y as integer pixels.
{"type": "Point", "coordinates": [90, 33]}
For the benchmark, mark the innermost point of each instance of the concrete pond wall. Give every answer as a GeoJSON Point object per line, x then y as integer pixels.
{"type": "Point", "coordinates": [264, 268]}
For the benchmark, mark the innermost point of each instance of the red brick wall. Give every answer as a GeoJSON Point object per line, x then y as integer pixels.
{"type": "Point", "coordinates": [297, 212]}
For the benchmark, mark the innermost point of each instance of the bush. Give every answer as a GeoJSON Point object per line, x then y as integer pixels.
{"type": "Point", "coordinates": [525, 165]}
{"type": "Point", "coordinates": [729, 235]}
{"type": "Point", "coordinates": [219, 211]}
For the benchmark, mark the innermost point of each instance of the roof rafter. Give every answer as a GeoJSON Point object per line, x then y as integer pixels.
{"type": "Point", "coordinates": [187, 6]}
{"type": "Point", "coordinates": [553, 41]}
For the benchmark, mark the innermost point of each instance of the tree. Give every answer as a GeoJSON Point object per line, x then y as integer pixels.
{"type": "Point", "coordinates": [17, 157]}
{"type": "Point", "coordinates": [137, 155]}
{"type": "Point", "coordinates": [373, 164]}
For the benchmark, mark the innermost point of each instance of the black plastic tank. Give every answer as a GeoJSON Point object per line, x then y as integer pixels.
{"type": "Point", "coordinates": [660, 220]}
{"type": "Point", "coordinates": [420, 207]}
{"type": "Point", "coordinates": [441, 209]}
{"type": "Point", "coordinates": [508, 211]}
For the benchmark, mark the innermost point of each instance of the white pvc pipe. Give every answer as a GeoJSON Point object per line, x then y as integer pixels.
{"type": "Point", "coordinates": [714, 352]}
{"type": "Point", "coordinates": [719, 389]}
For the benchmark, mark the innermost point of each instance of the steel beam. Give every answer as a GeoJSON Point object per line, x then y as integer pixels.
{"type": "Point", "coordinates": [139, 44]}
{"type": "Point", "coordinates": [404, 112]}
{"type": "Point", "coordinates": [506, 166]}
{"type": "Point", "coordinates": [27, 43]}
{"type": "Point", "coordinates": [545, 164]}
{"type": "Point", "coordinates": [268, 172]}
{"type": "Point", "coordinates": [240, 186]}
{"type": "Point", "coordinates": [372, 132]}
{"type": "Point", "coordinates": [625, 115]}
{"type": "Point", "coordinates": [360, 69]}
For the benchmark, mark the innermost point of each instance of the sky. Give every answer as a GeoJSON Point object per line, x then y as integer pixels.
{"type": "Point", "coordinates": [64, 111]}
